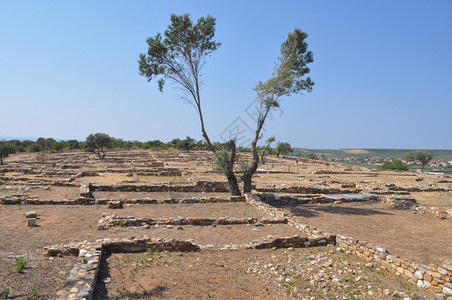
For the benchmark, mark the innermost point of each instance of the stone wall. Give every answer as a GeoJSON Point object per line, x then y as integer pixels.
{"type": "Point", "coordinates": [82, 278]}
{"type": "Point", "coordinates": [278, 200]}
{"type": "Point", "coordinates": [15, 200]}
{"type": "Point", "coordinates": [305, 190]}
{"type": "Point", "coordinates": [256, 201]}
{"type": "Point", "coordinates": [414, 207]}
{"type": "Point", "coordinates": [437, 279]}
{"type": "Point", "coordinates": [113, 220]}
{"type": "Point", "coordinates": [200, 186]}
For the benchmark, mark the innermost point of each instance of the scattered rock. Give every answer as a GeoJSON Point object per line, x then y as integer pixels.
{"type": "Point", "coordinates": [31, 222]}
{"type": "Point", "coordinates": [31, 214]}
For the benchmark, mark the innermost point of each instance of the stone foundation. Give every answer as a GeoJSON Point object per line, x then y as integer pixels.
{"type": "Point", "coordinates": [108, 221]}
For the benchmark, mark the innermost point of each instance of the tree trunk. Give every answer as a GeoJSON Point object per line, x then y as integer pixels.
{"type": "Point", "coordinates": [247, 176]}
{"type": "Point", "coordinates": [233, 186]}
{"type": "Point", "coordinates": [1, 160]}
{"type": "Point", "coordinates": [232, 180]}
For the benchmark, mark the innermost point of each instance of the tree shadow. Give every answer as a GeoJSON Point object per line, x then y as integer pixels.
{"type": "Point", "coordinates": [101, 290]}
{"type": "Point", "coordinates": [156, 292]}
{"type": "Point", "coordinates": [310, 211]}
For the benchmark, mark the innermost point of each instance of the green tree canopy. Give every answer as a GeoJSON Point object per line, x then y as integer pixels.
{"type": "Point", "coordinates": [6, 148]}
{"type": "Point", "coordinates": [98, 143]}
{"type": "Point", "coordinates": [283, 149]}
{"type": "Point", "coordinates": [289, 77]}
{"type": "Point", "coordinates": [395, 164]}
{"type": "Point", "coordinates": [179, 56]}
{"type": "Point", "coordinates": [421, 157]}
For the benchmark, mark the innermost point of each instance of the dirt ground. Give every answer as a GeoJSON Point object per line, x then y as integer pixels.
{"type": "Point", "coordinates": [64, 224]}
{"type": "Point", "coordinates": [321, 273]}
{"type": "Point", "coordinates": [438, 199]}
{"type": "Point", "coordinates": [54, 193]}
{"type": "Point", "coordinates": [419, 238]}
{"type": "Point", "coordinates": [30, 284]}
{"type": "Point", "coordinates": [222, 275]}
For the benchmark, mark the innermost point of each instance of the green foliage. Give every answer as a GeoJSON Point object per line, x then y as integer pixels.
{"type": "Point", "coordinates": [289, 73]}
{"type": "Point", "coordinates": [99, 143]}
{"type": "Point", "coordinates": [45, 143]}
{"type": "Point", "coordinates": [58, 146]}
{"type": "Point", "coordinates": [313, 156]}
{"type": "Point", "coordinates": [6, 148]}
{"type": "Point", "coordinates": [20, 264]}
{"type": "Point", "coordinates": [222, 157]}
{"type": "Point", "coordinates": [6, 292]}
{"type": "Point", "coordinates": [422, 158]}
{"type": "Point", "coordinates": [34, 291]}
{"type": "Point", "coordinates": [180, 54]}
{"type": "Point", "coordinates": [267, 149]}
{"type": "Point", "coordinates": [283, 148]}
{"type": "Point", "coordinates": [395, 164]}
{"type": "Point", "coordinates": [72, 145]}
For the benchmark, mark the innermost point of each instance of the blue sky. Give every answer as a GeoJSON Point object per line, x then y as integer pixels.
{"type": "Point", "coordinates": [382, 71]}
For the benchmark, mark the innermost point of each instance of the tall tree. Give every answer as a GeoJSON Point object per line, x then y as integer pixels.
{"type": "Point", "coordinates": [283, 148]}
{"type": "Point", "coordinates": [289, 77]}
{"type": "Point", "coordinates": [99, 143]}
{"type": "Point", "coordinates": [422, 158]}
{"type": "Point", "coordinates": [6, 148]}
{"type": "Point", "coordinates": [179, 56]}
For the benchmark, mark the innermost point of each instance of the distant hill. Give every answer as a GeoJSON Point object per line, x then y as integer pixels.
{"type": "Point", "coordinates": [365, 153]}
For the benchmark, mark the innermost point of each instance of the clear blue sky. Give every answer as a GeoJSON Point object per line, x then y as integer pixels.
{"type": "Point", "coordinates": [382, 71]}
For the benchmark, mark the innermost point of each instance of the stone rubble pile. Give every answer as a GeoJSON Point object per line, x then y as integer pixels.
{"type": "Point", "coordinates": [414, 207]}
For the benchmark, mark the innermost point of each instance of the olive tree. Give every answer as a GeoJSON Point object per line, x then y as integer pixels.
{"type": "Point", "coordinates": [422, 158]}
{"type": "Point", "coordinates": [98, 143]}
{"type": "Point", "coordinates": [6, 149]}
{"type": "Point", "coordinates": [179, 56]}
{"type": "Point", "coordinates": [283, 148]}
{"type": "Point", "coordinates": [288, 78]}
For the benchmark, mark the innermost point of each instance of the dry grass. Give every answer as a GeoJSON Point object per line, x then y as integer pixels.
{"type": "Point", "coordinates": [356, 151]}
{"type": "Point", "coordinates": [149, 179]}
{"type": "Point", "coordinates": [437, 199]}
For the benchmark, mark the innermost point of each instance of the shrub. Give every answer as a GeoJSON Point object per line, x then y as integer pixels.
{"type": "Point", "coordinates": [395, 164]}
{"type": "Point", "coordinates": [313, 156]}
{"type": "Point", "coordinates": [6, 292]}
{"type": "Point", "coordinates": [20, 264]}
{"type": "Point", "coordinates": [34, 291]}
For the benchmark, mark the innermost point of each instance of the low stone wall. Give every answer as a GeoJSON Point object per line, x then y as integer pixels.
{"type": "Point", "coordinates": [200, 186]}
{"type": "Point", "coordinates": [305, 190]}
{"type": "Point", "coordinates": [414, 207]}
{"type": "Point", "coordinates": [16, 200]}
{"type": "Point", "coordinates": [295, 241]}
{"type": "Point", "coordinates": [113, 220]}
{"type": "Point", "coordinates": [82, 279]}
{"type": "Point", "coordinates": [278, 200]}
{"type": "Point", "coordinates": [255, 201]}
{"type": "Point", "coordinates": [437, 279]}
